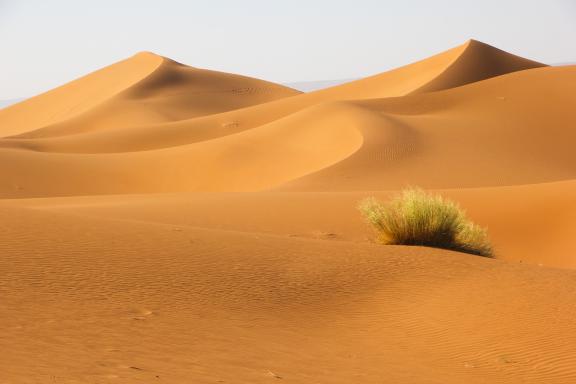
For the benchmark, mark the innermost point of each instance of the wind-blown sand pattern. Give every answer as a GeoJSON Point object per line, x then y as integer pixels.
{"type": "Point", "coordinates": [164, 223]}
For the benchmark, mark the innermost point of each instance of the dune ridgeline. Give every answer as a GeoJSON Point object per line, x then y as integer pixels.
{"type": "Point", "coordinates": [165, 223]}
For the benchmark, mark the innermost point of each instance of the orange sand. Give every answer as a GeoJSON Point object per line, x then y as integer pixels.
{"type": "Point", "coordinates": [163, 223]}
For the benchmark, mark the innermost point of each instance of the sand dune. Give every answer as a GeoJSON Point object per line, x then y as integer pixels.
{"type": "Point", "coordinates": [467, 63]}
{"type": "Point", "coordinates": [76, 97]}
{"type": "Point", "coordinates": [120, 296]}
{"type": "Point", "coordinates": [164, 223]}
{"type": "Point", "coordinates": [270, 134]}
{"type": "Point", "coordinates": [171, 91]}
{"type": "Point", "coordinates": [470, 62]}
{"type": "Point", "coordinates": [540, 235]}
{"type": "Point", "coordinates": [347, 145]}
{"type": "Point", "coordinates": [510, 130]}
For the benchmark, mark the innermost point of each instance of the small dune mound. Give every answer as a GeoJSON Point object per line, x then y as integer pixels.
{"type": "Point", "coordinates": [415, 217]}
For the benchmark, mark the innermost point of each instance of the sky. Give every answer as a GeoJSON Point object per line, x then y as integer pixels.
{"type": "Point", "coordinates": [46, 43]}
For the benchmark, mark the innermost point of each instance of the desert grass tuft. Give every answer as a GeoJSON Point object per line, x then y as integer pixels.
{"type": "Point", "coordinates": [415, 217]}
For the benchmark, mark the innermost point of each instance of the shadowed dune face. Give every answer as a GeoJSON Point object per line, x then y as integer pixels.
{"type": "Point", "coordinates": [164, 223]}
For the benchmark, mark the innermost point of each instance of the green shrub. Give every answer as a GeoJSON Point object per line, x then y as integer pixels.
{"type": "Point", "coordinates": [415, 217]}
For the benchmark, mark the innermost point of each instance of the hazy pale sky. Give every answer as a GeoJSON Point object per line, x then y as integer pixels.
{"type": "Point", "coordinates": [45, 43]}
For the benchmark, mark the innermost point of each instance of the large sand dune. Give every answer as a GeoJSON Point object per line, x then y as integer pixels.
{"type": "Point", "coordinates": [172, 91]}
{"type": "Point", "coordinates": [164, 223]}
{"type": "Point", "coordinates": [439, 140]}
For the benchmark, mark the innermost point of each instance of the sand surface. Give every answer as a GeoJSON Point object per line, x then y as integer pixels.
{"type": "Point", "coordinates": [169, 224]}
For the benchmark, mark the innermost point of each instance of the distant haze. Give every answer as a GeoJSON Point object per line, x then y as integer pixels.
{"type": "Point", "coordinates": [309, 86]}
{"type": "Point", "coordinates": [5, 103]}
{"type": "Point", "coordinates": [47, 43]}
